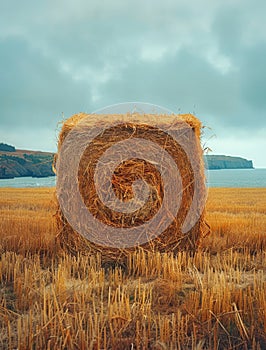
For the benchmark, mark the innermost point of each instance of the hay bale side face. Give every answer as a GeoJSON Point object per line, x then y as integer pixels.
{"type": "Point", "coordinates": [147, 127]}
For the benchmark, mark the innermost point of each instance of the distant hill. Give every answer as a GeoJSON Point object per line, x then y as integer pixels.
{"type": "Point", "coordinates": [18, 163]}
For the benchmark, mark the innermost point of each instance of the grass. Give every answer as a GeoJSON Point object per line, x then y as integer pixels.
{"type": "Point", "coordinates": [214, 299]}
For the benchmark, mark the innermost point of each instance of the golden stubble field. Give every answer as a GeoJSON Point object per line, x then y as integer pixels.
{"type": "Point", "coordinates": [214, 299]}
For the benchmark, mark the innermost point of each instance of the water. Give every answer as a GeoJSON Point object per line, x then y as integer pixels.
{"type": "Point", "coordinates": [216, 178]}
{"type": "Point", "coordinates": [236, 178]}
{"type": "Point", "coordinates": [29, 182]}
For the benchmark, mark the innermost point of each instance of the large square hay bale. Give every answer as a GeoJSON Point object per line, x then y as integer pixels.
{"type": "Point", "coordinates": [128, 181]}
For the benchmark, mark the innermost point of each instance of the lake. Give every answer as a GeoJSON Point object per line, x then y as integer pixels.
{"type": "Point", "coordinates": [215, 178]}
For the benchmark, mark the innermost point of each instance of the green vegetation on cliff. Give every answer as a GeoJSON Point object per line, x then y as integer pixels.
{"type": "Point", "coordinates": [7, 148]}
{"type": "Point", "coordinates": [20, 163]}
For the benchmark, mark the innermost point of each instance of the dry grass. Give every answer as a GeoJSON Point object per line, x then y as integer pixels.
{"type": "Point", "coordinates": [214, 299]}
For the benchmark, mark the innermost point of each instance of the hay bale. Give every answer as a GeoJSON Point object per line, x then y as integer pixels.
{"type": "Point", "coordinates": [112, 130]}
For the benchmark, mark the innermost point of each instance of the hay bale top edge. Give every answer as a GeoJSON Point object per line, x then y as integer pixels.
{"type": "Point", "coordinates": [157, 119]}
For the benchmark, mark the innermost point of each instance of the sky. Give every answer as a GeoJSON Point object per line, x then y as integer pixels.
{"type": "Point", "coordinates": [204, 57]}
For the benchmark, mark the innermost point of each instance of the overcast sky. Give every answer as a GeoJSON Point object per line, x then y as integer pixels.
{"type": "Point", "coordinates": [204, 57]}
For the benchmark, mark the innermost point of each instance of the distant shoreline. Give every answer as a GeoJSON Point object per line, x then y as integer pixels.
{"type": "Point", "coordinates": [220, 178]}
{"type": "Point", "coordinates": [15, 163]}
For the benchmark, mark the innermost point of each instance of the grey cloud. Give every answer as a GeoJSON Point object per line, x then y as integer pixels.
{"type": "Point", "coordinates": [253, 80]}
{"type": "Point", "coordinates": [65, 56]}
{"type": "Point", "coordinates": [183, 81]}
{"type": "Point", "coordinates": [33, 89]}
{"type": "Point", "coordinates": [238, 36]}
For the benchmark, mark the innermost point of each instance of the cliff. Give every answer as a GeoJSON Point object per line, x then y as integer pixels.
{"type": "Point", "coordinates": [227, 162]}
{"type": "Point", "coordinates": [20, 163]}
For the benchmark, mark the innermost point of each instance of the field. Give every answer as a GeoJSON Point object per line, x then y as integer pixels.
{"type": "Point", "coordinates": [214, 299]}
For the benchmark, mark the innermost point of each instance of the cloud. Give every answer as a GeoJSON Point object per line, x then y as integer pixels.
{"type": "Point", "coordinates": [33, 88]}
{"type": "Point", "coordinates": [205, 57]}
{"type": "Point", "coordinates": [253, 81]}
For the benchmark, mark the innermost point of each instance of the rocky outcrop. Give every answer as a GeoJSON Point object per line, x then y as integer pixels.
{"type": "Point", "coordinates": [227, 162]}
{"type": "Point", "coordinates": [25, 163]}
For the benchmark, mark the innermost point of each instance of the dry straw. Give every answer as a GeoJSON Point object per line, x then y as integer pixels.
{"type": "Point", "coordinates": [139, 126]}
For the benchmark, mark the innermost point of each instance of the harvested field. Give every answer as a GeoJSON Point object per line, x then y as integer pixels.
{"type": "Point", "coordinates": [214, 299]}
